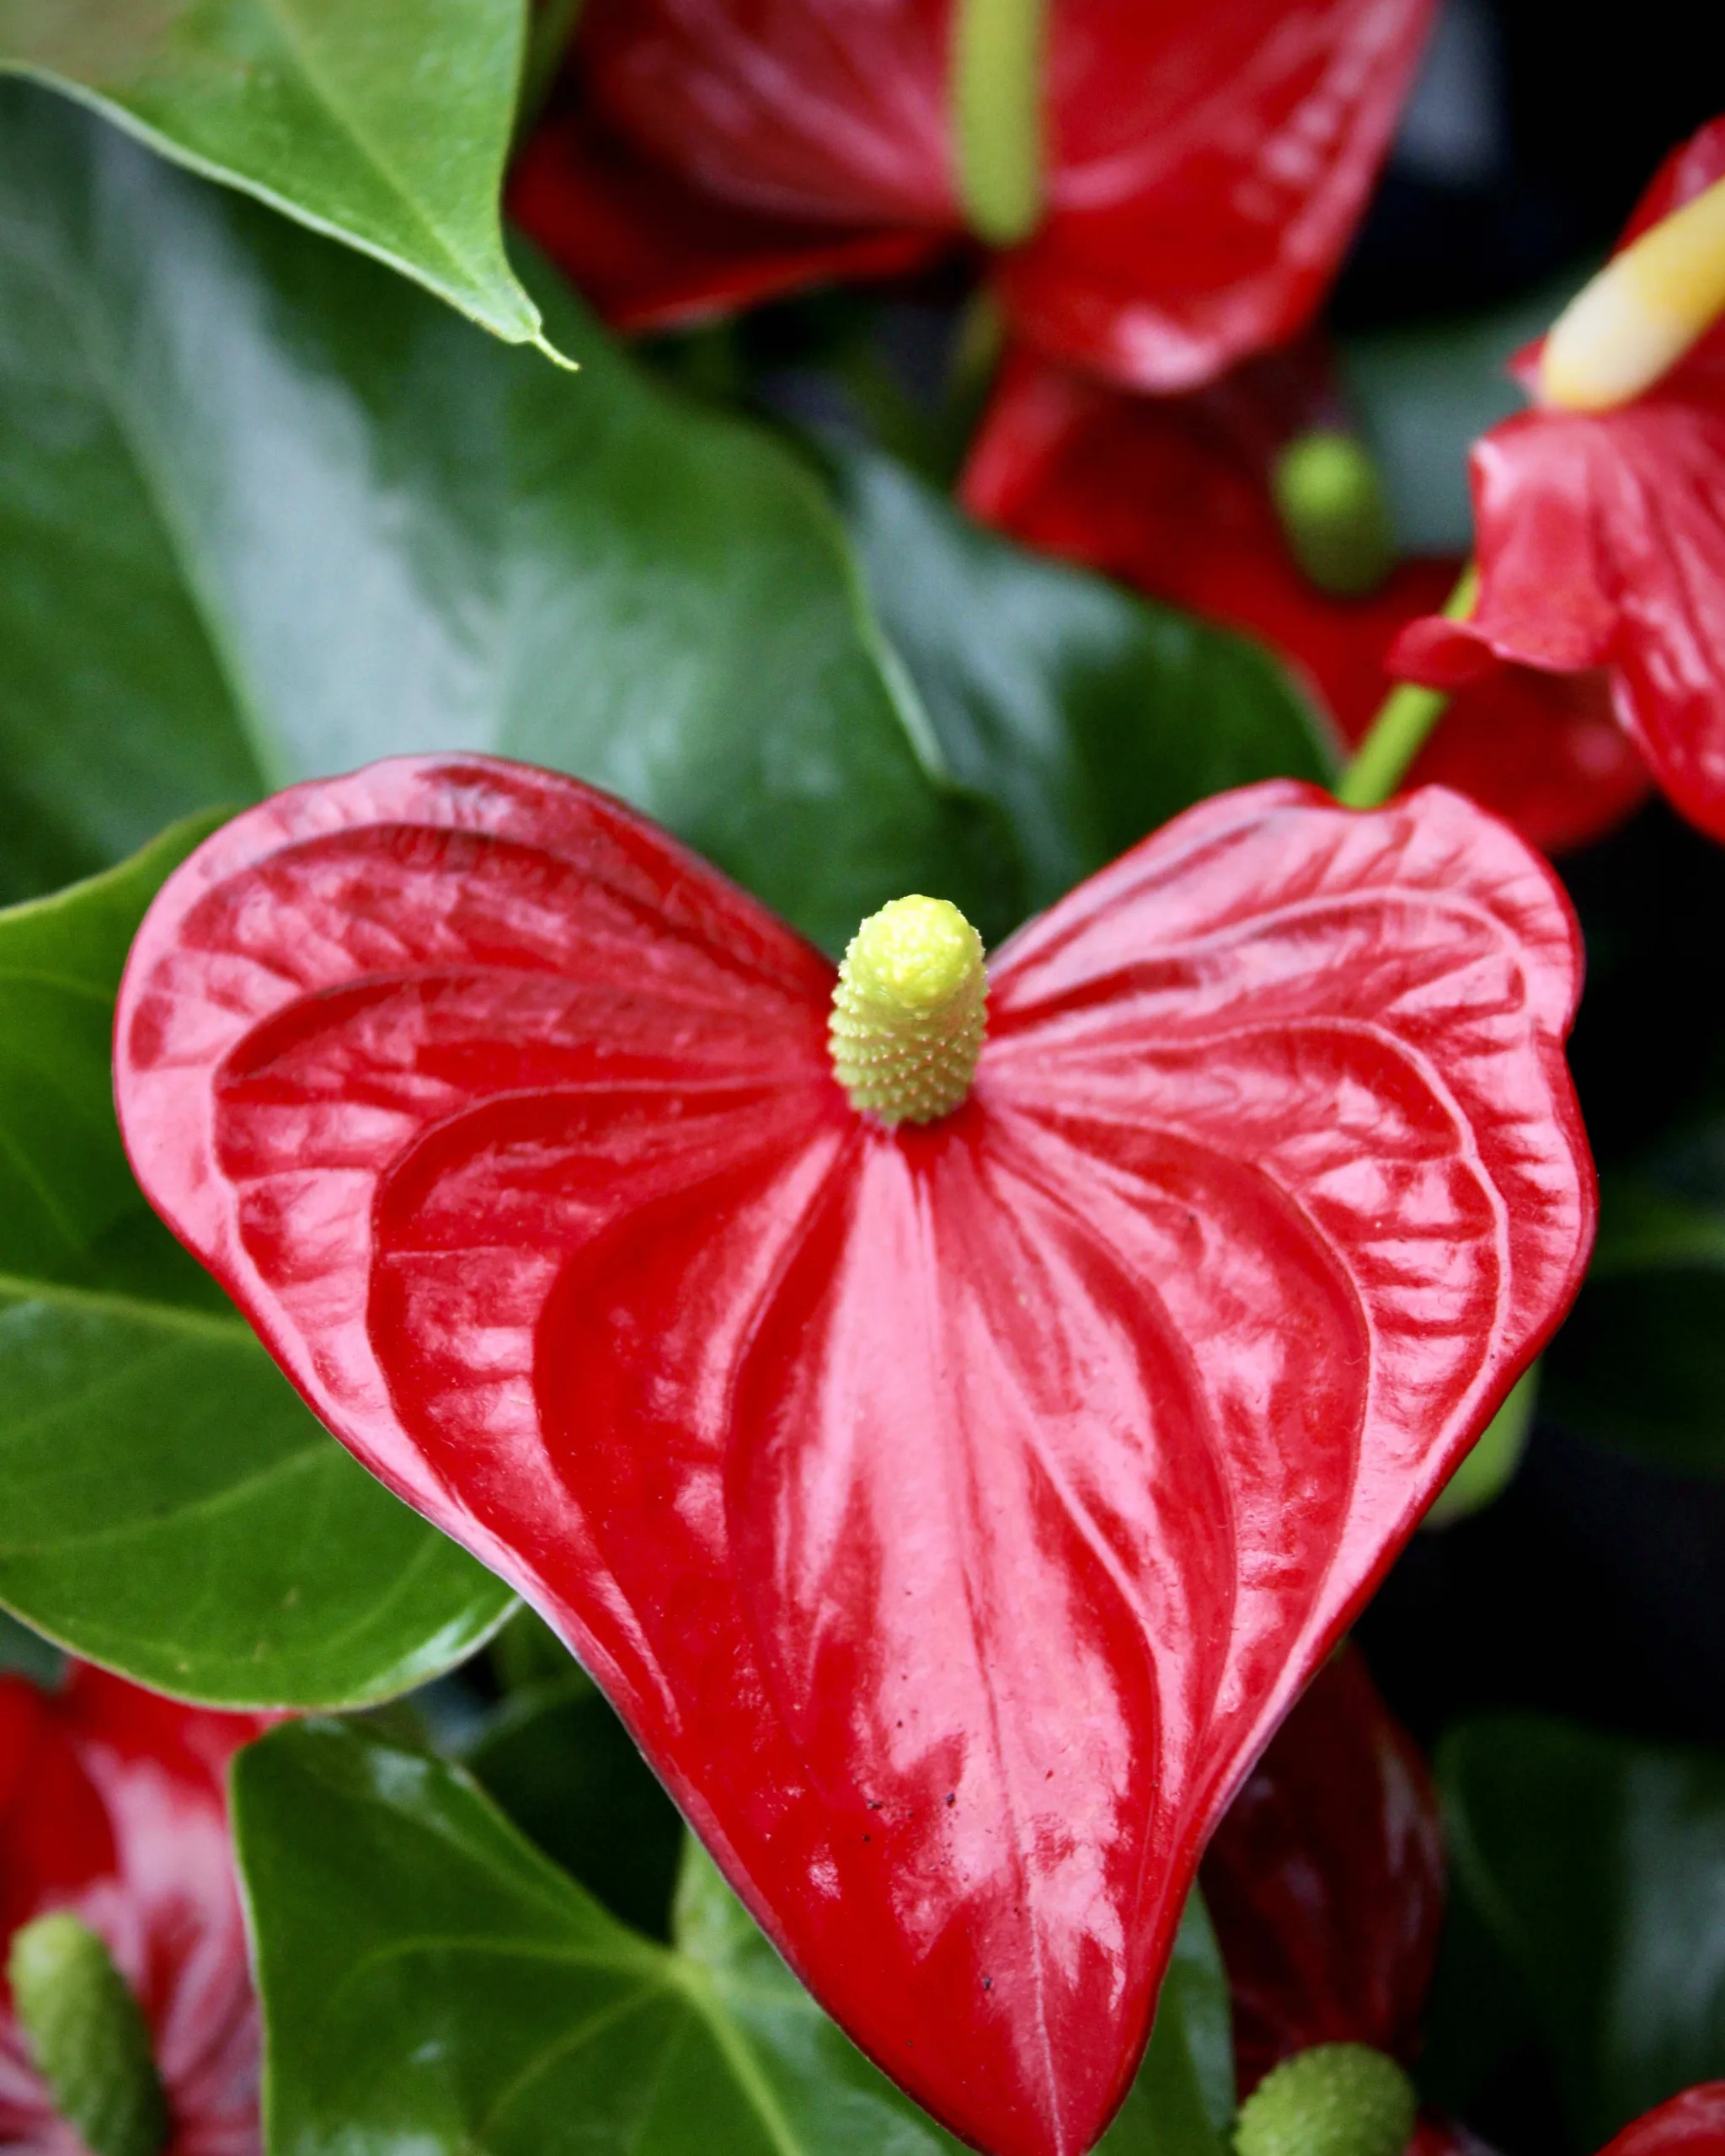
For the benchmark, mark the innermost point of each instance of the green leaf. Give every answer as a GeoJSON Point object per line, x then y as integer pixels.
{"type": "Point", "coordinates": [564, 1768]}
{"type": "Point", "coordinates": [167, 1505]}
{"type": "Point", "coordinates": [1183, 2102]}
{"type": "Point", "coordinates": [1089, 716]}
{"type": "Point", "coordinates": [384, 123]}
{"type": "Point", "coordinates": [1488, 1467]}
{"type": "Point", "coordinates": [1640, 1364]}
{"type": "Point", "coordinates": [1598, 1865]}
{"type": "Point", "coordinates": [429, 1979]}
{"type": "Point", "coordinates": [289, 514]}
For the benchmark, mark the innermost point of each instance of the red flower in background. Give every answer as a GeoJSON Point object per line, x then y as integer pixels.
{"type": "Point", "coordinates": [1601, 543]}
{"type": "Point", "coordinates": [1326, 1880]}
{"type": "Point", "coordinates": [1692, 2124]}
{"type": "Point", "coordinates": [1205, 166]}
{"type": "Point", "coordinates": [949, 1511]}
{"type": "Point", "coordinates": [113, 1807]}
{"type": "Point", "coordinates": [1172, 495]}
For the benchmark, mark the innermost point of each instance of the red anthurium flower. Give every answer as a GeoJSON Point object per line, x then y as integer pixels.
{"type": "Point", "coordinates": [1692, 2124]}
{"type": "Point", "coordinates": [1172, 495]}
{"type": "Point", "coordinates": [1205, 166]}
{"type": "Point", "coordinates": [1601, 543]}
{"type": "Point", "coordinates": [112, 1806]}
{"type": "Point", "coordinates": [950, 1509]}
{"type": "Point", "coordinates": [1324, 1880]}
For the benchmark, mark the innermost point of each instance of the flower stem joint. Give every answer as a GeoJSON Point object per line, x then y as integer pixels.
{"type": "Point", "coordinates": [909, 1012]}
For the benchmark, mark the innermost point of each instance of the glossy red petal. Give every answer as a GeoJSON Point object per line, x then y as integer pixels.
{"type": "Point", "coordinates": [112, 1805]}
{"type": "Point", "coordinates": [1692, 2124]}
{"type": "Point", "coordinates": [1207, 166]}
{"type": "Point", "coordinates": [1210, 165]}
{"type": "Point", "coordinates": [652, 248]}
{"type": "Point", "coordinates": [1324, 1880]}
{"type": "Point", "coordinates": [1171, 495]}
{"type": "Point", "coordinates": [951, 1514]}
{"type": "Point", "coordinates": [1601, 543]}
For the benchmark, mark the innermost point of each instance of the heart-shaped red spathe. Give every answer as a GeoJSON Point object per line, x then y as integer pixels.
{"type": "Point", "coordinates": [951, 1513]}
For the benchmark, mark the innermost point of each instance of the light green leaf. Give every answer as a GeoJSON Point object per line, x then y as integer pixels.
{"type": "Point", "coordinates": [167, 1506]}
{"type": "Point", "coordinates": [286, 515]}
{"type": "Point", "coordinates": [384, 123]}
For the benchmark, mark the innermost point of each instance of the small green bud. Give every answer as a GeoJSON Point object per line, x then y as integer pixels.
{"type": "Point", "coordinates": [910, 1011]}
{"type": "Point", "coordinates": [1336, 2100]}
{"type": "Point", "coordinates": [1331, 507]}
{"type": "Point", "coordinates": [87, 2037]}
{"type": "Point", "coordinates": [998, 76]}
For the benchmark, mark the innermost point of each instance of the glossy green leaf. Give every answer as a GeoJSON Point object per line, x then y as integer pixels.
{"type": "Point", "coordinates": [1088, 715]}
{"type": "Point", "coordinates": [1597, 1866]}
{"type": "Point", "coordinates": [429, 1979]}
{"type": "Point", "coordinates": [564, 1768]}
{"type": "Point", "coordinates": [288, 515]}
{"type": "Point", "coordinates": [1640, 1364]}
{"type": "Point", "coordinates": [385, 123]}
{"type": "Point", "coordinates": [167, 1505]}
{"type": "Point", "coordinates": [1182, 2103]}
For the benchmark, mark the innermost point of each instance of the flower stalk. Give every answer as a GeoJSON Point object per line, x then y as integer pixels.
{"type": "Point", "coordinates": [1403, 724]}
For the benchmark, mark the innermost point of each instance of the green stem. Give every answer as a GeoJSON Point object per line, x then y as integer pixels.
{"type": "Point", "coordinates": [1404, 722]}
{"type": "Point", "coordinates": [998, 52]}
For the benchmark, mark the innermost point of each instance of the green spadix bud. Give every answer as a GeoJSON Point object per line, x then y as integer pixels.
{"type": "Point", "coordinates": [87, 2037]}
{"type": "Point", "coordinates": [908, 1013]}
{"type": "Point", "coordinates": [999, 67]}
{"type": "Point", "coordinates": [1331, 507]}
{"type": "Point", "coordinates": [1336, 2100]}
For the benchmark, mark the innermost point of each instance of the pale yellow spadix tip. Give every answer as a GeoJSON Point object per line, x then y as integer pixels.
{"type": "Point", "coordinates": [1634, 321]}
{"type": "Point", "coordinates": [910, 1011]}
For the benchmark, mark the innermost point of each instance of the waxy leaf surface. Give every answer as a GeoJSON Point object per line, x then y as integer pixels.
{"type": "Point", "coordinates": [1205, 166]}
{"type": "Point", "coordinates": [288, 515]}
{"type": "Point", "coordinates": [400, 1918]}
{"type": "Point", "coordinates": [166, 1504]}
{"type": "Point", "coordinates": [383, 124]}
{"type": "Point", "coordinates": [1087, 716]}
{"type": "Point", "coordinates": [1598, 1865]}
{"type": "Point", "coordinates": [951, 1514]}
{"type": "Point", "coordinates": [113, 1807]}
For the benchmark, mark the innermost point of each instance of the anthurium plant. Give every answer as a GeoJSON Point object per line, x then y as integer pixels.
{"type": "Point", "coordinates": [860, 1214]}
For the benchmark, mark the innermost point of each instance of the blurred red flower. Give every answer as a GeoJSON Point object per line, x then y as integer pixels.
{"type": "Point", "coordinates": [1600, 540]}
{"type": "Point", "coordinates": [113, 1807]}
{"type": "Point", "coordinates": [1206, 166]}
{"type": "Point", "coordinates": [1692, 2124]}
{"type": "Point", "coordinates": [1172, 495]}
